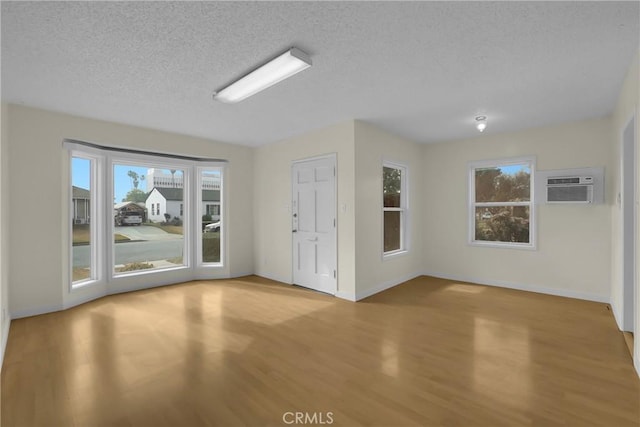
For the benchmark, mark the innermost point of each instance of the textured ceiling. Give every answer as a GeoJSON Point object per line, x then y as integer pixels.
{"type": "Point", "coordinates": [422, 70]}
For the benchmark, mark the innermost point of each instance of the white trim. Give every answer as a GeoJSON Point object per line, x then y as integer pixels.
{"type": "Point", "coordinates": [567, 293]}
{"type": "Point", "coordinates": [35, 311]}
{"type": "Point", "coordinates": [403, 209]}
{"type": "Point", "coordinates": [96, 185]}
{"type": "Point", "coordinates": [242, 274]}
{"type": "Point", "coordinates": [4, 338]}
{"type": "Point", "coordinates": [349, 296]}
{"type": "Point", "coordinates": [628, 260]}
{"type": "Point", "coordinates": [531, 204]}
{"type": "Point", "coordinates": [274, 277]}
{"type": "Point", "coordinates": [387, 256]}
{"type": "Point", "coordinates": [383, 286]}
{"type": "Point", "coordinates": [197, 216]}
{"type": "Point", "coordinates": [617, 314]}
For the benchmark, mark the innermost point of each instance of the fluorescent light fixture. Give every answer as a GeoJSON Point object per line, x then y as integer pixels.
{"type": "Point", "coordinates": [481, 123]}
{"type": "Point", "coordinates": [286, 65]}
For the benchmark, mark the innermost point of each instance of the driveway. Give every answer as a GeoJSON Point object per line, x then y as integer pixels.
{"type": "Point", "coordinates": [145, 232]}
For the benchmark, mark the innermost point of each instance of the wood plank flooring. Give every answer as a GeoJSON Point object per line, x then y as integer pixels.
{"type": "Point", "coordinates": [248, 351]}
{"type": "Point", "coordinates": [628, 339]}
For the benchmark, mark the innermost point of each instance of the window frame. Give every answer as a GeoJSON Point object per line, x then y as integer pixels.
{"type": "Point", "coordinates": [96, 233]}
{"type": "Point", "coordinates": [472, 204]}
{"type": "Point", "coordinates": [403, 209]}
{"type": "Point", "coordinates": [104, 280]}
{"type": "Point", "coordinates": [155, 162]}
{"type": "Point", "coordinates": [199, 187]}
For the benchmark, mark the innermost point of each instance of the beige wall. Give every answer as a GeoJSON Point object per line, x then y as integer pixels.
{"type": "Point", "coordinates": [4, 224]}
{"type": "Point", "coordinates": [573, 242]}
{"type": "Point", "coordinates": [373, 146]}
{"type": "Point", "coordinates": [272, 202]}
{"type": "Point", "coordinates": [628, 104]}
{"type": "Point", "coordinates": [38, 171]}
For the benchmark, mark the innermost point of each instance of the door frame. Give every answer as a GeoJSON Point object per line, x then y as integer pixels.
{"type": "Point", "coordinates": [629, 220]}
{"type": "Point", "coordinates": [334, 158]}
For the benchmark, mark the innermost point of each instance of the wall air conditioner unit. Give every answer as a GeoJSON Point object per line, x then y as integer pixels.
{"type": "Point", "coordinates": [570, 189]}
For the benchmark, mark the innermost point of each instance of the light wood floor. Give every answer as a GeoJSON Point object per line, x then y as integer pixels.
{"type": "Point", "coordinates": [247, 351]}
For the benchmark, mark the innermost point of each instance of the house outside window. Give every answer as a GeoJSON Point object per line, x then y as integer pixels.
{"type": "Point", "coordinates": [501, 205]}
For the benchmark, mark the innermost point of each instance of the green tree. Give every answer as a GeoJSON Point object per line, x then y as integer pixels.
{"type": "Point", "coordinates": [391, 186]}
{"type": "Point", "coordinates": [503, 223]}
{"type": "Point", "coordinates": [486, 181]}
{"type": "Point", "coordinates": [135, 178]}
{"type": "Point", "coordinates": [135, 195]}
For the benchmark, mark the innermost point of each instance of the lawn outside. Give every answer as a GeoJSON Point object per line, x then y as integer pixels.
{"type": "Point", "coordinates": [171, 229]}
{"type": "Point", "coordinates": [82, 235]}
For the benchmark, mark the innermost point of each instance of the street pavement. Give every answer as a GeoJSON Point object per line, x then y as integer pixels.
{"type": "Point", "coordinates": [155, 245]}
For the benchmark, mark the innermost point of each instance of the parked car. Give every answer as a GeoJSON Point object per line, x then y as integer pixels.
{"type": "Point", "coordinates": [210, 228]}
{"type": "Point", "coordinates": [129, 218]}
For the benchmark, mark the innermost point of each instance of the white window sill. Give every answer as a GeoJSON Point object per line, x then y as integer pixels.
{"type": "Point", "coordinates": [149, 271]}
{"type": "Point", "coordinates": [82, 284]}
{"type": "Point", "coordinates": [504, 245]}
{"type": "Point", "coordinates": [394, 254]}
{"type": "Point", "coordinates": [211, 265]}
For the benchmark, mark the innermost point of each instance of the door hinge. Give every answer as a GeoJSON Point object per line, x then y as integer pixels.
{"type": "Point", "coordinates": [334, 222]}
{"type": "Point", "coordinates": [334, 274]}
{"type": "Point", "coordinates": [334, 171]}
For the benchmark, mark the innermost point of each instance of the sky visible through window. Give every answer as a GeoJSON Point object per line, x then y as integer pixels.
{"type": "Point", "coordinates": [514, 169]}
{"type": "Point", "coordinates": [122, 182]}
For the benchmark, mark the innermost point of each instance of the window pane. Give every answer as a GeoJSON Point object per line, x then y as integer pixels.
{"type": "Point", "coordinates": [81, 218]}
{"type": "Point", "coordinates": [503, 184]}
{"type": "Point", "coordinates": [392, 223]}
{"type": "Point", "coordinates": [391, 186]}
{"type": "Point", "coordinates": [502, 224]}
{"type": "Point", "coordinates": [147, 236]}
{"type": "Point", "coordinates": [211, 220]}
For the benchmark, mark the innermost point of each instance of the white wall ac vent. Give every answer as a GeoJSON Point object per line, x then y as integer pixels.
{"type": "Point", "coordinates": [570, 189]}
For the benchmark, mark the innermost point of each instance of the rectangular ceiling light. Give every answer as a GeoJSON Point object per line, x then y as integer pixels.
{"type": "Point", "coordinates": [286, 65]}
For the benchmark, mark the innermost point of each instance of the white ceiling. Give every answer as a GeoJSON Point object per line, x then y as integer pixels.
{"type": "Point", "coordinates": [422, 70]}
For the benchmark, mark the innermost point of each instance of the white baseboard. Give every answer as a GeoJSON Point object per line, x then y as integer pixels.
{"type": "Point", "coordinates": [237, 275]}
{"type": "Point", "coordinates": [75, 300]}
{"type": "Point", "coordinates": [617, 315]}
{"type": "Point", "coordinates": [275, 277]}
{"type": "Point", "coordinates": [349, 296]}
{"type": "Point", "coordinates": [524, 287]}
{"type": "Point", "coordinates": [4, 338]}
{"type": "Point", "coordinates": [384, 286]}
{"type": "Point", "coordinates": [35, 311]}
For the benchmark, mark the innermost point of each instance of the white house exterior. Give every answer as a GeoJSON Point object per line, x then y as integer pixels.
{"type": "Point", "coordinates": [159, 178]}
{"type": "Point", "coordinates": [171, 201]}
{"type": "Point", "coordinates": [81, 200]}
{"type": "Point", "coordinates": [164, 200]}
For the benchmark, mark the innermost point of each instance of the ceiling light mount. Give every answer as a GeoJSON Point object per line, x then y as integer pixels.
{"type": "Point", "coordinates": [481, 123]}
{"type": "Point", "coordinates": [279, 68]}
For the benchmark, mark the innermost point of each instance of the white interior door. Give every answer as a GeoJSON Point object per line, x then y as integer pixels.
{"type": "Point", "coordinates": [314, 224]}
